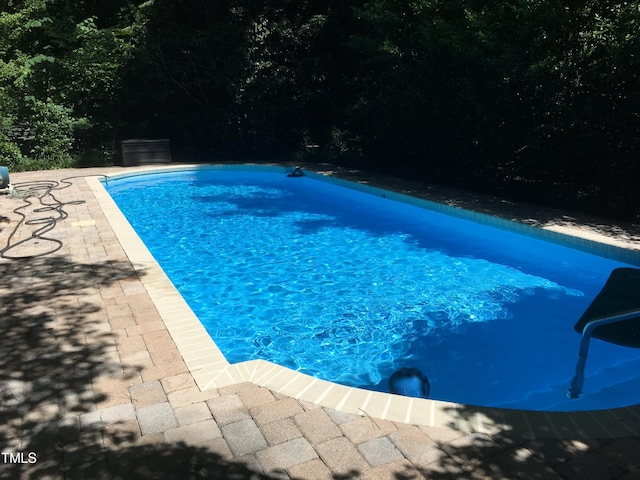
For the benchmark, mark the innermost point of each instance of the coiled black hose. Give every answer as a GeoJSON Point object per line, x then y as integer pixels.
{"type": "Point", "coordinates": [42, 191]}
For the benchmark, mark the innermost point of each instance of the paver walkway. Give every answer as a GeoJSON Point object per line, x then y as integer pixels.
{"type": "Point", "coordinates": [92, 385]}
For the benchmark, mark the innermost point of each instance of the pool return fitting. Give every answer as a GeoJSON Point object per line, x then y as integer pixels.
{"type": "Point", "coordinates": [409, 382]}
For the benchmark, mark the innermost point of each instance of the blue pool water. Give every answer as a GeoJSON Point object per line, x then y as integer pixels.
{"type": "Point", "coordinates": [349, 287]}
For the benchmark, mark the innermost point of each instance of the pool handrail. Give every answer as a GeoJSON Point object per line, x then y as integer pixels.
{"type": "Point", "coordinates": [578, 380]}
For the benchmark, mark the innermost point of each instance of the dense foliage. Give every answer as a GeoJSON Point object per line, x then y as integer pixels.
{"type": "Point", "coordinates": [524, 97]}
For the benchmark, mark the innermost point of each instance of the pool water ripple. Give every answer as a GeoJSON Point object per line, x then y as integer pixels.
{"type": "Point", "coordinates": [349, 288]}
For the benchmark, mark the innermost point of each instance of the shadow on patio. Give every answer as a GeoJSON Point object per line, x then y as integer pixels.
{"type": "Point", "coordinates": [55, 343]}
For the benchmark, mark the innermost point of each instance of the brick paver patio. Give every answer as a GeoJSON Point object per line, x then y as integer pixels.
{"type": "Point", "coordinates": [92, 386]}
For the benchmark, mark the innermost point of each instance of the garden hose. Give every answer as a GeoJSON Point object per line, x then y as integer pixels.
{"type": "Point", "coordinates": [51, 208]}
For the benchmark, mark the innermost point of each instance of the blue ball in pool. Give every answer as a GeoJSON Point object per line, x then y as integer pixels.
{"type": "Point", "coordinates": [410, 382]}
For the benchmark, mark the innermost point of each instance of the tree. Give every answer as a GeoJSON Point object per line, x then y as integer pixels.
{"type": "Point", "coordinates": [59, 75]}
{"type": "Point", "coordinates": [483, 94]}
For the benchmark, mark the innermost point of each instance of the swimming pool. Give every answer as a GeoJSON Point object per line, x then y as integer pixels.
{"type": "Point", "coordinates": [349, 287]}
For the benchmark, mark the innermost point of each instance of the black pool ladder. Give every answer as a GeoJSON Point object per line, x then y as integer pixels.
{"type": "Point", "coordinates": [613, 316]}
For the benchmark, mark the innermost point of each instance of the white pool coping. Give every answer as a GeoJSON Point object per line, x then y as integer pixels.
{"type": "Point", "coordinates": [210, 368]}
